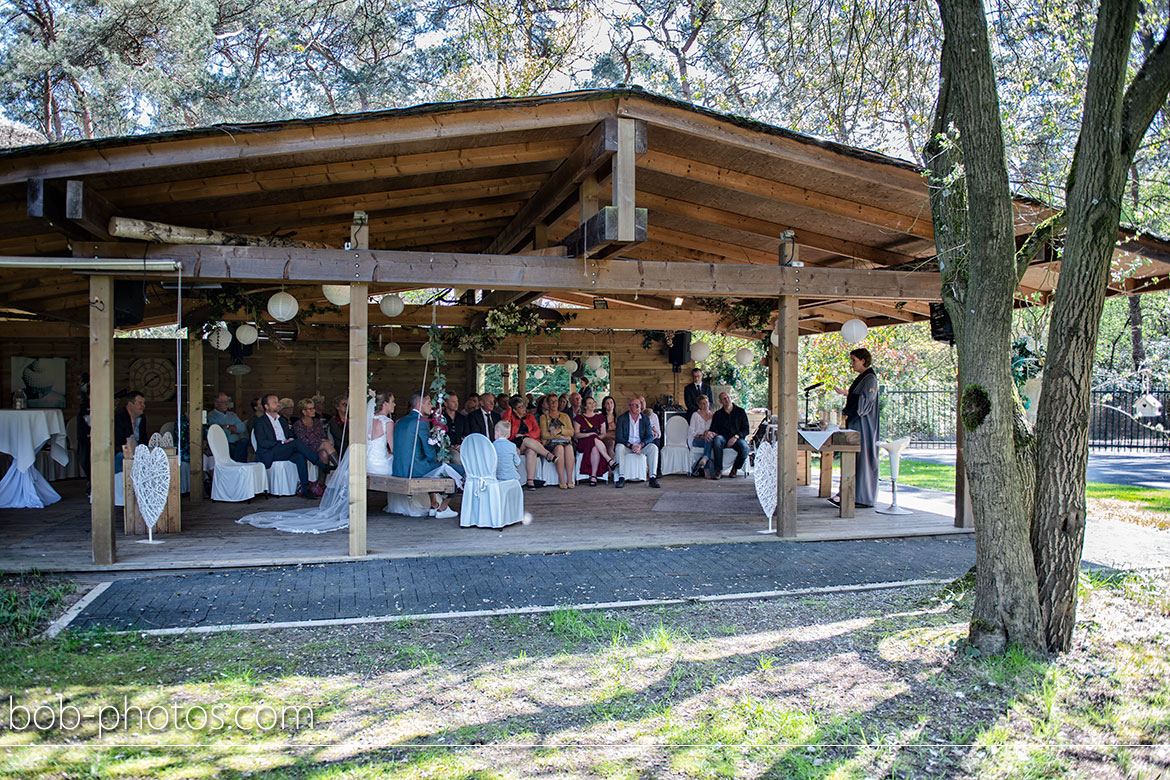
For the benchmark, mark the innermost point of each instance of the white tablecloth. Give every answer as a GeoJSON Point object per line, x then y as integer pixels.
{"type": "Point", "coordinates": [22, 433]}
{"type": "Point", "coordinates": [817, 439]}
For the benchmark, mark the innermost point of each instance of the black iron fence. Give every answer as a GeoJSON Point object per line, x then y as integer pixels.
{"type": "Point", "coordinates": [1115, 421]}
{"type": "Point", "coordinates": [926, 416]}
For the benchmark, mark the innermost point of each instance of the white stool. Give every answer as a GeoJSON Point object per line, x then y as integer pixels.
{"type": "Point", "coordinates": [894, 450]}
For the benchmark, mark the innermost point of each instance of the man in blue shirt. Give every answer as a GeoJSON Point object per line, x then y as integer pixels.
{"type": "Point", "coordinates": [232, 425]}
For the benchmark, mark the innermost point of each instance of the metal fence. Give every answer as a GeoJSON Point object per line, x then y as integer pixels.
{"type": "Point", "coordinates": [1114, 424]}
{"type": "Point", "coordinates": [928, 418]}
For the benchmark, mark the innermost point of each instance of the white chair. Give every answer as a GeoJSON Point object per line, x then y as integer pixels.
{"type": "Point", "coordinates": [675, 457]}
{"type": "Point", "coordinates": [282, 475]}
{"type": "Point", "coordinates": [894, 450]}
{"type": "Point", "coordinates": [168, 427]}
{"type": "Point", "coordinates": [487, 502]}
{"type": "Point", "coordinates": [582, 477]}
{"type": "Point", "coordinates": [633, 466]}
{"type": "Point", "coordinates": [233, 481]}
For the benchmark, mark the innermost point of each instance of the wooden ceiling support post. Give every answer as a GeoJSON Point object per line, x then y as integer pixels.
{"type": "Point", "coordinates": [359, 321]}
{"type": "Point", "coordinates": [101, 405]}
{"type": "Point", "coordinates": [786, 435]}
{"type": "Point", "coordinates": [522, 367]}
{"type": "Point", "coordinates": [623, 180]}
{"type": "Point", "coordinates": [195, 409]}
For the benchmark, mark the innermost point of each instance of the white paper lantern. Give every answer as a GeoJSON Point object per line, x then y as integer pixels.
{"type": "Point", "coordinates": [220, 338]}
{"type": "Point", "coordinates": [744, 356]}
{"type": "Point", "coordinates": [571, 366]}
{"type": "Point", "coordinates": [593, 361]}
{"type": "Point", "coordinates": [775, 339]}
{"type": "Point", "coordinates": [392, 349]}
{"type": "Point", "coordinates": [425, 349]}
{"type": "Point", "coordinates": [247, 334]}
{"type": "Point", "coordinates": [337, 294]}
{"type": "Point", "coordinates": [854, 331]}
{"type": "Point", "coordinates": [602, 373]}
{"type": "Point", "coordinates": [538, 374]}
{"type": "Point", "coordinates": [391, 305]}
{"type": "Point", "coordinates": [700, 350]}
{"type": "Point", "coordinates": [283, 307]}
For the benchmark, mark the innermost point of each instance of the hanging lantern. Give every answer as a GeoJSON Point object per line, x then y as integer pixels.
{"type": "Point", "coordinates": [220, 338]}
{"type": "Point", "coordinates": [853, 331]}
{"type": "Point", "coordinates": [425, 349]}
{"type": "Point", "coordinates": [593, 361]}
{"type": "Point", "coordinates": [392, 350]}
{"type": "Point", "coordinates": [775, 339]}
{"type": "Point", "coordinates": [571, 366]}
{"type": "Point", "coordinates": [744, 356]}
{"type": "Point", "coordinates": [538, 375]}
{"type": "Point", "coordinates": [391, 305]}
{"type": "Point", "coordinates": [602, 373]}
{"type": "Point", "coordinates": [283, 307]}
{"type": "Point", "coordinates": [337, 294]}
{"type": "Point", "coordinates": [247, 334]}
{"type": "Point", "coordinates": [700, 351]}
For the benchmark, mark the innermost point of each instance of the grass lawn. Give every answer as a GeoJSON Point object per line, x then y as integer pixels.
{"type": "Point", "coordinates": [840, 686]}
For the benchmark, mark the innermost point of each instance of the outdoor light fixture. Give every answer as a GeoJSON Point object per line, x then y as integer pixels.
{"type": "Point", "coordinates": [247, 334]}
{"type": "Point", "coordinates": [700, 351]}
{"type": "Point", "coordinates": [593, 361]}
{"type": "Point", "coordinates": [677, 302]}
{"type": "Point", "coordinates": [853, 331]}
{"type": "Point", "coordinates": [600, 303]}
{"type": "Point", "coordinates": [392, 350]}
{"type": "Point", "coordinates": [744, 356]}
{"type": "Point", "coordinates": [220, 338]}
{"type": "Point", "coordinates": [391, 305]}
{"type": "Point", "coordinates": [282, 306]}
{"type": "Point", "coordinates": [337, 294]}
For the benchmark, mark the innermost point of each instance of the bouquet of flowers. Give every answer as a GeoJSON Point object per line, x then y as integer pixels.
{"type": "Point", "coordinates": [440, 439]}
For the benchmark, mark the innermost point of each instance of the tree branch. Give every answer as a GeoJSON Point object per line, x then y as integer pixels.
{"type": "Point", "coordinates": [1040, 236]}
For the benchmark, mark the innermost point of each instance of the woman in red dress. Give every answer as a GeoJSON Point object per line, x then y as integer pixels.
{"type": "Point", "coordinates": [589, 429]}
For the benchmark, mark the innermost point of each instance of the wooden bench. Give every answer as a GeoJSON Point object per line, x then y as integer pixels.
{"type": "Point", "coordinates": [410, 486]}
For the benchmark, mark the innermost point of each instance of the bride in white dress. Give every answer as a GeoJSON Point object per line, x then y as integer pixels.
{"type": "Point", "coordinates": [380, 433]}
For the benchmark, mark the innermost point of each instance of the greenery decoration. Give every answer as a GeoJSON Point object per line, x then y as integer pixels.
{"type": "Point", "coordinates": [750, 314]}
{"type": "Point", "coordinates": [504, 321]}
{"type": "Point", "coordinates": [438, 390]}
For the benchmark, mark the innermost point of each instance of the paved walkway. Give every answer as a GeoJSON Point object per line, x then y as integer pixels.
{"type": "Point", "coordinates": [1149, 470]}
{"type": "Point", "coordinates": [428, 586]}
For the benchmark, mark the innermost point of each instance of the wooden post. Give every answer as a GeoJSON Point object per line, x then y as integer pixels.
{"type": "Point", "coordinates": [101, 410]}
{"type": "Point", "coordinates": [522, 368]}
{"type": "Point", "coordinates": [195, 410]}
{"type": "Point", "coordinates": [623, 178]}
{"type": "Point", "coordinates": [786, 435]}
{"type": "Point", "coordinates": [964, 517]}
{"type": "Point", "coordinates": [359, 321]}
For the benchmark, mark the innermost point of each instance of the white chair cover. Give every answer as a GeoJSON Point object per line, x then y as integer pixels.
{"type": "Point", "coordinates": [544, 471]}
{"type": "Point", "coordinates": [168, 427]}
{"type": "Point", "coordinates": [487, 502]}
{"type": "Point", "coordinates": [676, 451]}
{"type": "Point", "coordinates": [282, 475]}
{"type": "Point", "coordinates": [232, 481]}
{"type": "Point", "coordinates": [581, 477]}
{"type": "Point", "coordinates": [633, 466]}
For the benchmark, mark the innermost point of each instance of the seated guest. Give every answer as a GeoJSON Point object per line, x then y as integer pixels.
{"type": "Point", "coordinates": [484, 418]}
{"type": "Point", "coordinates": [129, 423]}
{"type": "Point", "coordinates": [232, 426]}
{"type": "Point", "coordinates": [322, 414]}
{"type": "Point", "coordinates": [729, 425]}
{"type": "Point", "coordinates": [380, 436]}
{"type": "Point", "coordinates": [563, 403]}
{"type": "Point", "coordinates": [309, 429]}
{"type": "Point", "coordinates": [288, 409]}
{"type": "Point", "coordinates": [699, 434]}
{"type": "Point", "coordinates": [634, 435]}
{"type": "Point", "coordinates": [275, 441]}
{"type": "Point", "coordinates": [589, 430]}
{"type": "Point", "coordinates": [574, 405]}
{"type": "Point", "coordinates": [507, 458]}
{"type": "Point", "coordinates": [471, 404]}
{"type": "Point", "coordinates": [338, 426]}
{"type": "Point", "coordinates": [257, 412]}
{"type": "Point", "coordinates": [609, 409]}
{"type": "Point", "coordinates": [556, 434]}
{"type": "Point", "coordinates": [415, 456]}
{"type": "Point", "coordinates": [586, 390]}
{"type": "Point", "coordinates": [531, 399]}
{"type": "Point", "coordinates": [503, 403]}
{"type": "Point", "coordinates": [456, 420]}
{"type": "Point", "coordinates": [525, 434]}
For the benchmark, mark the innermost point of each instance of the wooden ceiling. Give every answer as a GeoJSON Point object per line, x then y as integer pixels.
{"type": "Point", "coordinates": [497, 177]}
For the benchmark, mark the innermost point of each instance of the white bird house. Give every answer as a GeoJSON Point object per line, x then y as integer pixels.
{"type": "Point", "coordinates": [1147, 406]}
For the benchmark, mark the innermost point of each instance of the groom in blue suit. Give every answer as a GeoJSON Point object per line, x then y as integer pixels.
{"type": "Point", "coordinates": [414, 455]}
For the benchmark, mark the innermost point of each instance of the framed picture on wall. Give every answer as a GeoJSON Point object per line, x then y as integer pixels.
{"type": "Point", "coordinates": [42, 379]}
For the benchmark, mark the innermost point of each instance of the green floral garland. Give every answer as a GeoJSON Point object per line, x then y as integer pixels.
{"type": "Point", "coordinates": [502, 322]}
{"type": "Point", "coordinates": [751, 314]}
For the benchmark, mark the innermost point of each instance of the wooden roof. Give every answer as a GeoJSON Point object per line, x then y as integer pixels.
{"type": "Point", "coordinates": [478, 176]}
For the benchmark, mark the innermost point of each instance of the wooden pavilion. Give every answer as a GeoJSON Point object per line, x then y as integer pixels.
{"type": "Point", "coordinates": [613, 198]}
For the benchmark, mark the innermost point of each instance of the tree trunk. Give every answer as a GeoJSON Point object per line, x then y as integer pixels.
{"type": "Point", "coordinates": [1137, 346]}
{"type": "Point", "coordinates": [972, 209]}
{"type": "Point", "coordinates": [1114, 122]}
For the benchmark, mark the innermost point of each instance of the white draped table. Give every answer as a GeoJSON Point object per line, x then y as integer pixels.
{"type": "Point", "coordinates": [22, 434]}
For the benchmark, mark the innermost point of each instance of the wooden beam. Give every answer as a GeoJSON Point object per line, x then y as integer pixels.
{"type": "Point", "coordinates": [786, 435]}
{"type": "Point", "coordinates": [522, 367]}
{"type": "Point", "coordinates": [593, 152]}
{"type": "Point", "coordinates": [195, 413]}
{"type": "Point", "coordinates": [101, 431]}
{"type": "Point", "coordinates": [45, 203]}
{"type": "Point", "coordinates": [602, 234]}
{"type": "Point", "coordinates": [520, 272]}
{"type": "Point", "coordinates": [86, 208]}
{"type": "Point", "coordinates": [145, 230]}
{"type": "Point", "coordinates": [623, 182]}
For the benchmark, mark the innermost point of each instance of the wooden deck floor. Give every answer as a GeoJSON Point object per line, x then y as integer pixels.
{"type": "Point", "coordinates": [58, 539]}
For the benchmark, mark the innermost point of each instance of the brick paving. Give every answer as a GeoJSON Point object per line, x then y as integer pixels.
{"type": "Point", "coordinates": [420, 586]}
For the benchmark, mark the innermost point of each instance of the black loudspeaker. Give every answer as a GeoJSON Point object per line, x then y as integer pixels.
{"type": "Point", "coordinates": [940, 324]}
{"type": "Point", "coordinates": [129, 302]}
{"type": "Point", "coordinates": [680, 348]}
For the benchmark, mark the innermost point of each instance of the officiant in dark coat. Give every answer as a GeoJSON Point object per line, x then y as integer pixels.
{"type": "Point", "coordinates": [861, 414]}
